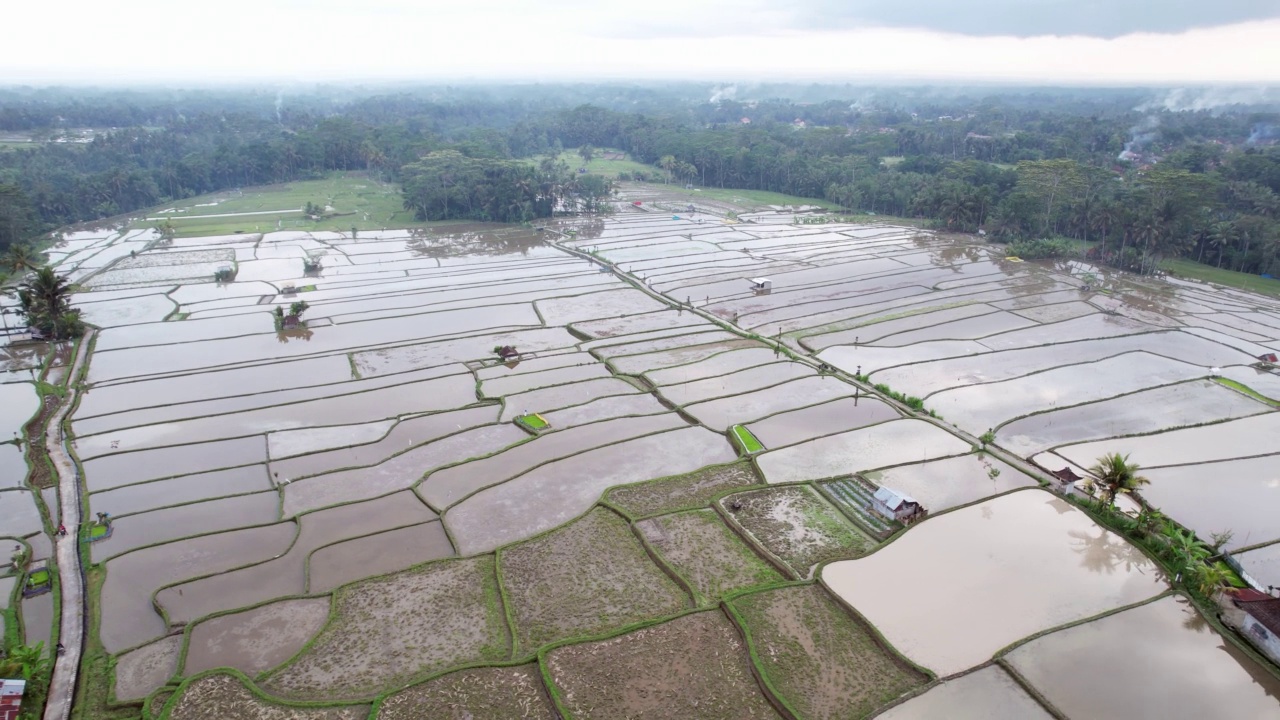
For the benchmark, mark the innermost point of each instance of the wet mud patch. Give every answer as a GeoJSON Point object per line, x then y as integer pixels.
{"type": "Point", "coordinates": [682, 492]}
{"type": "Point", "coordinates": [707, 553]}
{"type": "Point", "coordinates": [582, 579]}
{"type": "Point", "coordinates": [695, 666]}
{"type": "Point", "coordinates": [255, 640]}
{"type": "Point", "coordinates": [506, 692]}
{"type": "Point", "coordinates": [141, 671]}
{"type": "Point", "coordinates": [220, 697]}
{"type": "Point", "coordinates": [797, 526]}
{"type": "Point", "coordinates": [388, 631]}
{"type": "Point", "coordinates": [819, 659]}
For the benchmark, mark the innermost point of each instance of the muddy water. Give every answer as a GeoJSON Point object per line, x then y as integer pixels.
{"type": "Point", "coordinates": [986, 693]}
{"type": "Point", "coordinates": [889, 443]}
{"type": "Point", "coordinates": [371, 363]}
{"type": "Point", "coordinates": [745, 408]}
{"type": "Point", "coordinates": [243, 403]}
{"type": "Point", "coordinates": [372, 555]}
{"type": "Point", "coordinates": [721, 364]}
{"type": "Point", "coordinates": [1014, 566]}
{"type": "Point", "coordinates": [404, 435]}
{"type": "Point", "coordinates": [188, 488]}
{"type": "Point", "coordinates": [1239, 495]}
{"type": "Point", "coordinates": [535, 365]}
{"type": "Point", "coordinates": [605, 409]}
{"type": "Point", "coordinates": [608, 304]}
{"type": "Point", "coordinates": [561, 396]}
{"type": "Point", "coordinates": [796, 426]}
{"type": "Point", "coordinates": [115, 313]}
{"type": "Point", "coordinates": [286, 443]}
{"type": "Point", "coordinates": [851, 358]}
{"type": "Point", "coordinates": [1057, 312]}
{"type": "Point", "coordinates": [944, 317]}
{"type": "Point", "coordinates": [1121, 666]}
{"type": "Point", "coordinates": [1083, 328]}
{"type": "Point", "coordinates": [1258, 435]}
{"type": "Point", "coordinates": [640, 344]}
{"type": "Point", "coordinates": [446, 487]}
{"type": "Point", "coordinates": [977, 408]}
{"type": "Point", "coordinates": [205, 386]}
{"type": "Point", "coordinates": [18, 513]}
{"type": "Point", "coordinates": [554, 493]}
{"type": "Point", "coordinates": [1189, 403]}
{"type": "Point", "coordinates": [135, 467]}
{"type": "Point", "coordinates": [13, 466]}
{"type": "Point", "coordinates": [499, 387]}
{"type": "Point", "coordinates": [1262, 564]}
{"type": "Point", "coordinates": [286, 575]}
{"type": "Point", "coordinates": [399, 472]}
{"type": "Point", "coordinates": [635, 364]}
{"type": "Point", "coordinates": [133, 362]}
{"type": "Point", "coordinates": [970, 329]}
{"type": "Point", "coordinates": [742, 381]}
{"type": "Point", "coordinates": [445, 393]}
{"type": "Point", "coordinates": [158, 526]}
{"type": "Point", "coordinates": [128, 617]}
{"type": "Point", "coordinates": [18, 403]}
{"type": "Point", "coordinates": [37, 619]}
{"type": "Point", "coordinates": [943, 484]}
{"type": "Point", "coordinates": [660, 320]}
{"type": "Point", "coordinates": [255, 640]}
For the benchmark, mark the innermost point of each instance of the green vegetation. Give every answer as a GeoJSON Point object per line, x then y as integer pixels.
{"type": "Point", "coordinates": [534, 422]}
{"type": "Point", "coordinates": [1241, 387]}
{"type": "Point", "coordinates": [1115, 475]}
{"type": "Point", "coordinates": [910, 401]}
{"type": "Point", "coordinates": [796, 525]}
{"type": "Point", "coordinates": [1192, 270]}
{"type": "Point", "coordinates": [604, 162]}
{"type": "Point", "coordinates": [44, 299]}
{"type": "Point", "coordinates": [39, 578]}
{"type": "Point", "coordinates": [756, 198]}
{"type": "Point", "coordinates": [1041, 248]}
{"type": "Point", "coordinates": [746, 440]}
{"type": "Point", "coordinates": [98, 531]}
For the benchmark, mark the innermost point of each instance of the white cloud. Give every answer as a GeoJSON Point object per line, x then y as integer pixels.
{"type": "Point", "coordinates": [329, 40]}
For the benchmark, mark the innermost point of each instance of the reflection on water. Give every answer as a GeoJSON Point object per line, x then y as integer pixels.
{"type": "Point", "coordinates": [301, 333]}
{"type": "Point", "coordinates": [518, 242]}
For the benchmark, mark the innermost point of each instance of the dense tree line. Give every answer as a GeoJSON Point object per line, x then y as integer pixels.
{"type": "Point", "coordinates": [1024, 164]}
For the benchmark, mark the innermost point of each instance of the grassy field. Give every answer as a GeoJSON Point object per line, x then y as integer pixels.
{"type": "Point", "coordinates": [361, 201]}
{"type": "Point", "coordinates": [1195, 271]}
{"type": "Point", "coordinates": [607, 168]}
{"type": "Point", "coordinates": [756, 197]}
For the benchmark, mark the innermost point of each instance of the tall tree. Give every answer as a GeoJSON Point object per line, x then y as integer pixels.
{"type": "Point", "coordinates": [1116, 476]}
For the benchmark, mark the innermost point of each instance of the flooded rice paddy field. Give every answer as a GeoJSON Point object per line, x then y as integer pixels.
{"type": "Point", "coordinates": [356, 510]}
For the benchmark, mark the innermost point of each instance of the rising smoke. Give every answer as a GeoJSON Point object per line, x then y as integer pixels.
{"type": "Point", "coordinates": [723, 92]}
{"type": "Point", "coordinates": [1263, 132]}
{"type": "Point", "coordinates": [1194, 99]}
{"type": "Point", "coordinates": [1140, 136]}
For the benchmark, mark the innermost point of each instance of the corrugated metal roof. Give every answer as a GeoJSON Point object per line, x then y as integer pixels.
{"type": "Point", "coordinates": [893, 499]}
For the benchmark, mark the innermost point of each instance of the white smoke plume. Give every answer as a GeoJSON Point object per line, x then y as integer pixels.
{"type": "Point", "coordinates": [279, 105]}
{"type": "Point", "coordinates": [1183, 99]}
{"type": "Point", "coordinates": [723, 92]}
{"type": "Point", "coordinates": [1140, 136]}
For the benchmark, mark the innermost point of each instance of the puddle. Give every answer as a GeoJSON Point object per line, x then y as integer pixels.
{"type": "Point", "coordinates": [1062, 568]}
{"type": "Point", "coordinates": [1120, 666]}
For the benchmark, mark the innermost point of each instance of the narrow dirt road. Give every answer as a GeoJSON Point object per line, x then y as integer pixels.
{"type": "Point", "coordinates": [62, 688]}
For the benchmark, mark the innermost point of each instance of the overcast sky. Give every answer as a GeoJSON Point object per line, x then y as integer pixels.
{"type": "Point", "coordinates": [1040, 41]}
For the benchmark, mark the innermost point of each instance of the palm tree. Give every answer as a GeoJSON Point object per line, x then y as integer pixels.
{"type": "Point", "coordinates": [46, 303]}
{"type": "Point", "coordinates": [1117, 475]}
{"type": "Point", "coordinates": [668, 163]}
{"type": "Point", "coordinates": [21, 259]}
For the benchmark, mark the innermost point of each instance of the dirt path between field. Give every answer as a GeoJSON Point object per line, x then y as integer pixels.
{"type": "Point", "coordinates": [62, 686]}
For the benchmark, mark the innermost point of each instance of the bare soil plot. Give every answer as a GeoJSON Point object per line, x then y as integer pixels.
{"type": "Point", "coordinates": [1121, 666]}
{"type": "Point", "coordinates": [683, 492]}
{"type": "Point", "coordinates": [390, 630]}
{"type": "Point", "coordinates": [220, 697]}
{"type": "Point", "coordinates": [796, 525]}
{"type": "Point", "coordinates": [706, 553]}
{"type": "Point", "coordinates": [583, 579]}
{"type": "Point", "coordinates": [980, 695]}
{"type": "Point", "coordinates": [819, 659]}
{"type": "Point", "coordinates": [253, 641]}
{"type": "Point", "coordinates": [140, 671]}
{"type": "Point", "coordinates": [500, 692]}
{"type": "Point", "coordinates": [1015, 565]}
{"type": "Point", "coordinates": [695, 666]}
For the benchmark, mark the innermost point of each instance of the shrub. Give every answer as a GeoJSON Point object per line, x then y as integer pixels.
{"type": "Point", "coordinates": [1041, 248]}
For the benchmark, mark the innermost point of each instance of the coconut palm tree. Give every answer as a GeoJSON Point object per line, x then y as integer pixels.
{"type": "Point", "coordinates": [21, 258]}
{"type": "Point", "coordinates": [46, 303]}
{"type": "Point", "coordinates": [1117, 475]}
